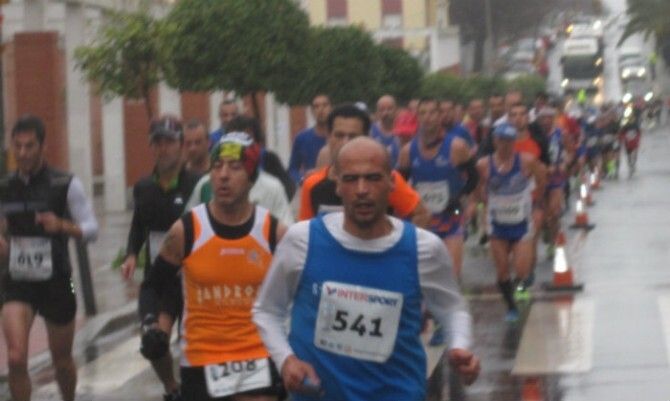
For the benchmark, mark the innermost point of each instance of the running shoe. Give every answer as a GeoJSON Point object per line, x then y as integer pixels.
{"type": "Point", "coordinates": [521, 294]}
{"type": "Point", "coordinates": [611, 168]}
{"type": "Point", "coordinates": [512, 316]}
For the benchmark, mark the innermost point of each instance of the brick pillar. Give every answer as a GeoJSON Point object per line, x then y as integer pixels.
{"type": "Point", "coordinates": [35, 78]}
{"type": "Point", "coordinates": [196, 105]}
{"type": "Point", "coordinates": [298, 116]}
{"type": "Point", "coordinates": [139, 161]}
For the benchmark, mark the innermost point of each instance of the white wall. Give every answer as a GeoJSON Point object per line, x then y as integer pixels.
{"type": "Point", "coordinates": [78, 100]}
{"type": "Point", "coordinates": [277, 128]}
{"type": "Point", "coordinates": [444, 48]}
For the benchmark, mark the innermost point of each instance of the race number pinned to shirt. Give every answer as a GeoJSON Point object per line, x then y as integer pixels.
{"type": "Point", "coordinates": [235, 377]}
{"type": "Point", "coordinates": [509, 209]}
{"type": "Point", "coordinates": [435, 195]}
{"type": "Point", "coordinates": [631, 135]}
{"type": "Point", "coordinates": [358, 322]}
{"type": "Point", "coordinates": [156, 239]}
{"type": "Point", "coordinates": [30, 258]}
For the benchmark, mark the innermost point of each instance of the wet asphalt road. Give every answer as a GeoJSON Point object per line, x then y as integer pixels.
{"type": "Point", "coordinates": [622, 263]}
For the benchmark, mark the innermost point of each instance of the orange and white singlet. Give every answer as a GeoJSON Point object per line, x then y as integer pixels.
{"type": "Point", "coordinates": [220, 280]}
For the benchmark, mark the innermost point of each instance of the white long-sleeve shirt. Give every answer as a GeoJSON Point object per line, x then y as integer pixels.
{"type": "Point", "coordinates": [81, 210]}
{"type": "Point", "coordinates": [441, 293]}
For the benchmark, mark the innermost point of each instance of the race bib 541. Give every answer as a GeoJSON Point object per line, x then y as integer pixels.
{"type": "Point", "coordinates": [358, 322]}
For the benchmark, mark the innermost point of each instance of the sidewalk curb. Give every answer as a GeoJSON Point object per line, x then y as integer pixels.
{"type": "Point", "coordinates": [94, 328]}
{"type": "Point", "coordinates": [108, 322]}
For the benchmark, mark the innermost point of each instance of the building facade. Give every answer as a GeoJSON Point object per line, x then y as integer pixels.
{"type": "Point", "coordinates": [419, 26]}
{"type": "Point", "coordinates": [103, 141]}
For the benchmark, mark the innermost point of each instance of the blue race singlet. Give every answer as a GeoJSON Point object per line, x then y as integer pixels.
{"type": "Point", "coordinates": [509, 201]}
{"type": "Point", "coordinates": [356, 318]}
{"type": "Point", "coordinates": [390, 142]}
{"type": "Point", "coordinates": [437, 181]}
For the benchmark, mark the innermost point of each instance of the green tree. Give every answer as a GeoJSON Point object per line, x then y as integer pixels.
{"type": "Point", "coordinates": [123, 57]}
{"type": "Point", "coordinates": [440, 85]}
{"type": "Point", "coordinates": [479, 86]}
{"type": "Point", "coordinates": [401, 73]}
{"type": "Point", "coordinates": [649, 17]}
{"type": "Point", "coordinates": [246, 46]}
{"type": "Point", "coordinates": [459, 89]}
{"type": "Point", "coordinates": [529, 85]}
{"type": "Point", "coordinates": [342, 62]}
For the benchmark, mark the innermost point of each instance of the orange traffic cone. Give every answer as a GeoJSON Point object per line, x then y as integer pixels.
{"type": "Point", "coordinates": [563, 277]}
{"type": "Point", "coordinates": [594, 179]}
{"type": "Point", "coordinates": [581, 217]}
{"type": "Point", "coordinates": [585, 193]}
{"type": "Point", "coordinates": [531, 390]}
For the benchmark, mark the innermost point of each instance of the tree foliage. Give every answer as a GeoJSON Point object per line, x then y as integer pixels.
{"type": "Point", "coordinates": [442, 86]}
{"type": "Point", "coordinates": [462, 90]}
{"type": "Point", "coordinates": [401, 73]}
{"type": "Point", "coordinates": [649, 17]}
{"type": "Point", "coordinates": [528, 85]}
{"type": "Point", "coordinates": [342, 62]}
{"type": "Point", "coordinates": [123, 57]}
{"type": "Point", "coordinates": [246, 46]}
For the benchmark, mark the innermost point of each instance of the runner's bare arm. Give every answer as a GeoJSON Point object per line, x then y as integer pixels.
{"type": "Point", "coordinates": [461, 157]}
{"type": "Point", "coordinates": [420, 215]}
{"type": "Point", "coordinates": [483, 168]}
{"type": "Point", "coordinates": [460, 151]}
{"type": "Point", "coordinates": [538, 170]}
{"type": "Point", "coordinates": [323, 159]}
{"type": "Point", "coordinates": [403, 163]}
{"type": "Point", "coordinates": [172, 250]}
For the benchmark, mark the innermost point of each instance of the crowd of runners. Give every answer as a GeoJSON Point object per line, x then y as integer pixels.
{"type": "Point", "coordinates": [327, 301]}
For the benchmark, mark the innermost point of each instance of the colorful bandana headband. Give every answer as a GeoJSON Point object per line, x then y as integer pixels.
{"type": "Point", "coordinates": [238, 146]}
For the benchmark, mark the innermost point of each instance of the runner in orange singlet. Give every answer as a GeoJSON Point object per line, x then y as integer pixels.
{"type": "Point", "coordinates": [225, 247]}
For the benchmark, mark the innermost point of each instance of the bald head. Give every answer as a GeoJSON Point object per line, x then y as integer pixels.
{"type": "Point", "coordinates": [364, 183]}
{"type": "Point", "coordinates": [363, 149]}
{"type": "Point", "coordinates": [386, 100]}
{"type": "Point", "coordinates": [386, 111]}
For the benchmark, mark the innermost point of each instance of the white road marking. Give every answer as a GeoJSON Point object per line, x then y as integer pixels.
{"type": "Point", "coordinates": [557, 338]}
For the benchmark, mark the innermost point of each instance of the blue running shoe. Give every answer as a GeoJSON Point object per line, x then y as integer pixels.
{"type": "Point", "coordinates": [512, 316]}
